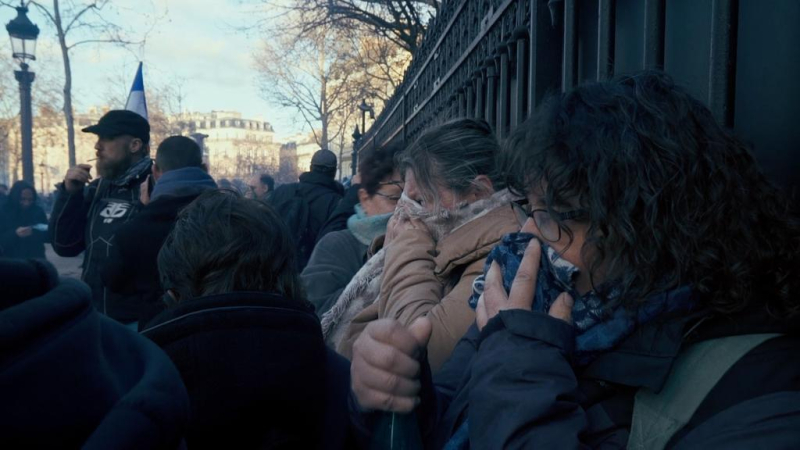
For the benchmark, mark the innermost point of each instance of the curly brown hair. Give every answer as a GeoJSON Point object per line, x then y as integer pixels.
{"type": "Point", "coordinates": [672, 198]}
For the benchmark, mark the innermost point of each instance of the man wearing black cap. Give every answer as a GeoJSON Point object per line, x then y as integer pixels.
{"type": "Point", "coordinates": [306, 206]}
{"type": "Point", "coordinates": [87, 217]}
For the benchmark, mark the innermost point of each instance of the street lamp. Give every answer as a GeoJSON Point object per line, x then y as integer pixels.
{"type": "Point", "coordinates": [42, 167]}
{"type": "Point", "coordinates": [23, 45]}
{"type": "Point", "coordinates": [364, 107]}
{"type": "Point", "coordinates": [356, 139]}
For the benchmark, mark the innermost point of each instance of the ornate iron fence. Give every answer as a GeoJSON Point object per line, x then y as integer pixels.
{"type": "Point", "coordinates": [497, 59]}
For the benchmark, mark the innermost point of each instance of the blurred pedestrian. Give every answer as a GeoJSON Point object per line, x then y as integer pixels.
{"type": "Point", "coordinates": [260, 187]}
{"type": "Point", "coordinates": [305, 206]}
{"type": "Point", "coordinates": [23, 224]}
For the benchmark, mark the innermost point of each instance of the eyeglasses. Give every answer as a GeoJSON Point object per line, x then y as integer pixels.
{"type": "Point", "coordinates": [393, 198]}
{"type": "Point", "coordinates": [550, 229]}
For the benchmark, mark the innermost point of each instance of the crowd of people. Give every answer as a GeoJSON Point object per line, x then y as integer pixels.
{"type": "Point", "coordinates": [616, 273]}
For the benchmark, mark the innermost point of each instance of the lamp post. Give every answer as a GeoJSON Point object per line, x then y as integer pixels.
{"type": "Point", "coordinates": [356, 139]}
{"type": "Point", "coordinates": [23, 44]}
{"type": "Point", "coordinates": [42, 167]}
{"type": "Point", "coordinates": [364, 107]}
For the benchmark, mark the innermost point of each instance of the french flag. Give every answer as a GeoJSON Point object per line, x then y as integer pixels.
{"type": "Point", "coordinates": [136, 101]}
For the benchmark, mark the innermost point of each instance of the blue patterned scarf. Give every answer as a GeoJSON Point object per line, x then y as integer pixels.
{"type": "Point", "coordinates": [597, 328]}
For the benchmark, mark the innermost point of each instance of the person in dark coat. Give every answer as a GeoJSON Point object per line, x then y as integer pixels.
{"type": "Point", "coordinates": [23, 224]}
{"type": "Point", "coordinates": [86, 217]}
{"type": "Point", "coordinates": [651, 302]}
{"type": "Point", "coordinates": [319, 192]}
{"type": "Point", "coordinates": [73, 378]}
{"type": "Point", "coordinates": [132, 272]}
{"type": "Point", "coordinates": [340, 254]}
{"type": "Point", "coordinates": [246, 342]}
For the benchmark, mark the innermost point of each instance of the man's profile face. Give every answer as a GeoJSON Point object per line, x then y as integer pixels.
{"type": "Point", "coordinates": [258, 189]}
{"type": "Point", "coordinates": [115, 155]}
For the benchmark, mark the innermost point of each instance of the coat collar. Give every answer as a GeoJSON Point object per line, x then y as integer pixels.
{"type": "Point", "coordinates": [475, 238]}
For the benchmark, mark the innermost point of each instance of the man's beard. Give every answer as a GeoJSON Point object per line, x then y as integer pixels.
{"type": "Point", "coordinates": [113, 170]}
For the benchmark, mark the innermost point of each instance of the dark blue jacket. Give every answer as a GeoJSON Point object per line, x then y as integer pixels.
{"type": "Point", "coordinates": [257, 371]}
{"type": "Point", "coordinates": [514, 382]}
{"type": "Point", "coordinates": [131, 272]}
{"type": "Point", "coordinates": [70, 377]}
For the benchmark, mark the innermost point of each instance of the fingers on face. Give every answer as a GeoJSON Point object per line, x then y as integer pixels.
{"type": "Point", "coordinates": [524, 286]}
{"type": "Point", "coordinates": [562, 307]}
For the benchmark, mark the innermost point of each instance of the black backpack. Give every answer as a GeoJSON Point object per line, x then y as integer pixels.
{"type": "Point", "coordinates": [293, 207]}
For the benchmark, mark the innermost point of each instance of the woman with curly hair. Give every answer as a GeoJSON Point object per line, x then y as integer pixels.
{"type": "Point", "coordinates": [650, 301]}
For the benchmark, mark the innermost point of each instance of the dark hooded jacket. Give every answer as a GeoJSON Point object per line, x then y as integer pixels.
{"type": "Point", "coordinates": [322, 194]}
{"type": "Point", "coordinates": [257, 371]}
{"type": "Point", "coordinates": [131, 274]}
{"type": "Point", "coordinates": [88, 221]}
{"type": "Point", "coordinates": [12, 216]}
{"type": "Point", "coordinates": [70, 377]}
{"type": "Point", "coordinates": [514, 383]}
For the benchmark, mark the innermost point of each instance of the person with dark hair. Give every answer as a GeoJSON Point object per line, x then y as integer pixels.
{"type": "Point", "coordinates": [245, 340]}
{"type": "Point", "coordinates": [307, 205]}
{"type": "Point", "coordinates": [651, 302]}
{"type": "Point", "coordinates": [88, 213]}
{"type": "Point", "coordinates": [340, 254]}
{"type": "Point", "coordinates": [260, 187]}
{"type": "Point", "coordinates": [453, 212]}
{"type": "Point", "coordinates": [131, 272]}
{"type": "Point", "coordinates": [72, 377]}
{"type": "Point", "coordinates": [23, 224]}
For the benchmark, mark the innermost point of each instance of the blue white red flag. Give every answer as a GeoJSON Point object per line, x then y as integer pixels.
{"type": "Point", "coordinates": [136, 101]}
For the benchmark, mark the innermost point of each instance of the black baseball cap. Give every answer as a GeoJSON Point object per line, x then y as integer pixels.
{"type": "Point", "coordinates": [118, 122]}
{"type": "Point", "coordinates": [324, 158]}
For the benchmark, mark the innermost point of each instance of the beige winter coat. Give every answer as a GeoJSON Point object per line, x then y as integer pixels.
{"type": "Point", "coordinates": [421, 277]}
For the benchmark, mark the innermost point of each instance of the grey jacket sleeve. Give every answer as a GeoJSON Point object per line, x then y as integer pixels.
{"type": "Point", "coordinates": [334, 262]}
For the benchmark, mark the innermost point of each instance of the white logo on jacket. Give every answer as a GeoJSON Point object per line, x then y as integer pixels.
{"type": "Point", "coordinates": [114, 210]}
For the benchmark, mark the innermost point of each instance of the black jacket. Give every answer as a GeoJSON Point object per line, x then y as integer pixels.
{"type": "Point", "coordinates": [13, 246]}
{"type": "Point", "coordinates": [132, 271]}
{"type": "Point", "coordinates": [70, 377]}
{"type": "Point", "coordinates": [89, 220]}
{"type": "Point", "coordinates": [515, 384]}
{"type": "Point", "coordinates": [346, 208]}
{"type": "Point", "coordinates": [257, 371]}
{"type": "Point", "coordinates": [322, 194]}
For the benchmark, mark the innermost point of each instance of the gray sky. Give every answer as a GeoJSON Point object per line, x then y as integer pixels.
{"type": "Point", "coordinates": [193, 42]}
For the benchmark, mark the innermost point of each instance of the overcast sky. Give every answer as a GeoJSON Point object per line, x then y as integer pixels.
{"type": "Point", "coordinates": [194, 42]}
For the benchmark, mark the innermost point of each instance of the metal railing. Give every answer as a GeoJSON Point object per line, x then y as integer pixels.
{"type": "Point", "coordinates": [496, 59]}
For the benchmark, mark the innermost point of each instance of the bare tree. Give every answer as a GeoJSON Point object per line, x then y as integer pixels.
{"type": "Point", "coordinates": [86, 20]}
{"type": "Point", "coordinates": [310, 73]}
{"type": "Point", "coordinates": [403, 22]}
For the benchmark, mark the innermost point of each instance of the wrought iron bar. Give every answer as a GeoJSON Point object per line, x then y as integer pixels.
{"type": "Point", "coordinates": [654, 17]}
{"type": "Point", "coordinates": [606, 11]}
{"type": "Point", "coordinates": [722, 58]}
